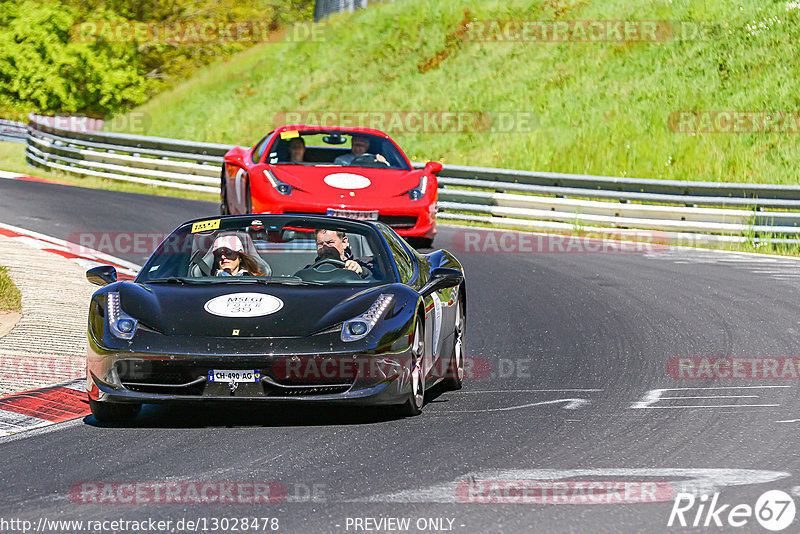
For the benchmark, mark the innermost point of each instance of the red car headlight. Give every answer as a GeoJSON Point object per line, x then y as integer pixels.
{"type": "Point", "coordinates": [282, 187]}
{"type": "Point", "coordinates": [419, 191]}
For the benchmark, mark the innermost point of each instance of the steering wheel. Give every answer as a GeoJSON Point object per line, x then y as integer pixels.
{"type": "Point", "coordinates": [330, 261]}
{"type": "Point", "coordinates": [367, 159]}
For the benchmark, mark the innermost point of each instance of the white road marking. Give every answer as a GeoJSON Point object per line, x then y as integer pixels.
{"type": "Point", "coordinates": [571, 404]}
{"type": "Point", "coordinates": [51, 427]}
{"type": "Point", "coordinates": [714, 397]}
{"type": "Point", "coordinates": [656, 395]}
{"type": "Point", "coordinates": [528, 391]}
{"type": "Point", "coordinates": [13, 422]}
{"type": "Point", "coordinates": [714, 406]}
{"type": "Point", "coordinates": [777, 268]}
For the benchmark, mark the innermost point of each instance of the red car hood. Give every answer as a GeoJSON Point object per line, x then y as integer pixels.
{"type": "Point", "coordinates": [339, 182]}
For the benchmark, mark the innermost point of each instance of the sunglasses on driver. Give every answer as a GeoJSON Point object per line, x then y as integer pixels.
{"type": "Point", "coordinates": [228, 253]}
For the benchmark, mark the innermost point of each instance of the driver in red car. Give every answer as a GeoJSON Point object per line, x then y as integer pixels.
{"type": "Point", "coordinates": [359, 147]}
{"type": "Point", "coordinates": [333, 245]}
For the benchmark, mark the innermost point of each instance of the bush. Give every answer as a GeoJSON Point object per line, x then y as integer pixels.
{"type": "Point", "coordinates": [47, 66]}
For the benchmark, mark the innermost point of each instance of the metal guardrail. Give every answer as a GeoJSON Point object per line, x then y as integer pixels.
{"type": "Point", "coordinates": [13, 131]}
{"type": "Point", "coordinates": [699, 211]}
{"type": "Point", "coordinates": [323, 8]}
{"type": "Point", "coordinates": [157, 161]}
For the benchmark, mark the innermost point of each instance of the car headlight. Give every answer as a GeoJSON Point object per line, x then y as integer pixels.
{"type": "Point", "coordinates": [360, 326]}
{"type": "Point", "coordinates": [419, 191]}
{"type": "Point", "coordinates": [282, 187]}
{"type": "Point", "coordinates": [120, 323]}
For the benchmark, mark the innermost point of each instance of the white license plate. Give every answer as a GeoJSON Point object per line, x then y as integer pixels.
{"type": "Point", "coordinates": [352, 214]}
{"type": "Point", "coordinates": [233, 375]}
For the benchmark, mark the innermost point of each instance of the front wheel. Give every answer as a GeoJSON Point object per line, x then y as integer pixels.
{"type": "Point", "coordinates": [111, 412]}
{"type": "Point", "coordinates": [416, 395]}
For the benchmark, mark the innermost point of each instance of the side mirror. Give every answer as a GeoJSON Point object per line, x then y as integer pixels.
{"type": "Point", "coordinates": [102, 275]}
{"type": "Point", "coordinates": [442, 278]}
{"type": "Point", "coordinates": [433, 167]}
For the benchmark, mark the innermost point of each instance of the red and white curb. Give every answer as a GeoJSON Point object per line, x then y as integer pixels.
{"type": "Point", "coordinates": [43, 407]}
{"type": "Point", "coordinates": [64, 401]}
{"type": "Point", "coordinates": [87, 258]}
{"type": "Point", "coordinates": [27, 178]}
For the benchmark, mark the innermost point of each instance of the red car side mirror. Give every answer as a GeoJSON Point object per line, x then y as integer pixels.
{"type": "Point", "coordinates": [433, 167]}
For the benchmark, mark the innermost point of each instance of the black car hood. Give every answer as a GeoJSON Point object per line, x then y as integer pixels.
{"type": "Point", "coordinates": [175, 309]}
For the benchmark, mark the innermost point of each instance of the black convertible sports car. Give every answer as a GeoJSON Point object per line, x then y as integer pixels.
{"type": "Point", "coordinates": [277, 308]}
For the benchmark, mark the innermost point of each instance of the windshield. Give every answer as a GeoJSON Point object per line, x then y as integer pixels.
{"type": "Point", "coordinates": [270, 249]}
{"type": "Point", "coordinates": [341, 149]}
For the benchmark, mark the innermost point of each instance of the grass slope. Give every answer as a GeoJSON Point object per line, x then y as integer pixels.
{"type": "Point", "coordinates": [10, 298]}
{"type": "Point", "coordinates": [601, 108]}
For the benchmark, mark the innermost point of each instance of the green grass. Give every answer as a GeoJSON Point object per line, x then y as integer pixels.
{"type": "Point", "coordinates": [601, 108]}
{"type": "Point", "coordinates": [10, 298]}
{"type": "Point", "coordinates": [12, 159]}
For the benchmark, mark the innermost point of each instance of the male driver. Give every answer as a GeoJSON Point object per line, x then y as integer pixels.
{"type": "Point", "coordinates": [359, 147]}
{"type": "Point", "coordinates": [332, 244]}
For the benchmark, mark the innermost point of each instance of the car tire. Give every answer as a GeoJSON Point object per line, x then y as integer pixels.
{"type": "Point", "coordinates": [455, 367]}
{"type": "Point", "coordinates": [112, 412]}
{"type": "Point", "coordinates": [416, 394]}
{"type": "Point", "coordinates": [223, 196]}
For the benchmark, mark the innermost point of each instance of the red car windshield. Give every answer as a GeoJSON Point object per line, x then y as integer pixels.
{"type": "Point", "coordinates": [333, 148]}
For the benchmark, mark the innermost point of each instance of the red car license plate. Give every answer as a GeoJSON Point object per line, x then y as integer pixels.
{"type": "Point", "coordinates": [352, 214]}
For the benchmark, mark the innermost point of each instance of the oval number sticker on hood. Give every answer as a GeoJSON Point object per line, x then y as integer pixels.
{"type": "Point", "coordinates": [243, 305]}
{"type": "Point", "coordinates": [346, 180]}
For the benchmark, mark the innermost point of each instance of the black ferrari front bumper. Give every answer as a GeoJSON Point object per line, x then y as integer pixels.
{"type": "Point", "coordinates": [351, 378]}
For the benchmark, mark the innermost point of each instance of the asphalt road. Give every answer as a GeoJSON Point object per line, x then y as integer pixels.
{"type": "Point", "coordinates": [575, 343]}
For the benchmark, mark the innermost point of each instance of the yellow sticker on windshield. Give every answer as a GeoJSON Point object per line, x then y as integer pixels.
{"type": "Point", "coordinates": [202, 226]}
{"type": "Point", "coordinates": [290, 134]}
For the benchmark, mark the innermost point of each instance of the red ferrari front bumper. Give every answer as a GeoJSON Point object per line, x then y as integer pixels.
{"type": "Point", "coordinates": [409, 218]}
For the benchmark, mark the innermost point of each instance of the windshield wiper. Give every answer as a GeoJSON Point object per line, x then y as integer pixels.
{"type": "Point", "coordinates": [294, 282]}
{"type": "Point", "coordinates": [234, 280]}
{"type": "Point", "coordinates": [176, 280]}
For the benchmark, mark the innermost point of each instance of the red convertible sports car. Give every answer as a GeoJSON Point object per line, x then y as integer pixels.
{"type": "Point", "coordinates": [358, 173]}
